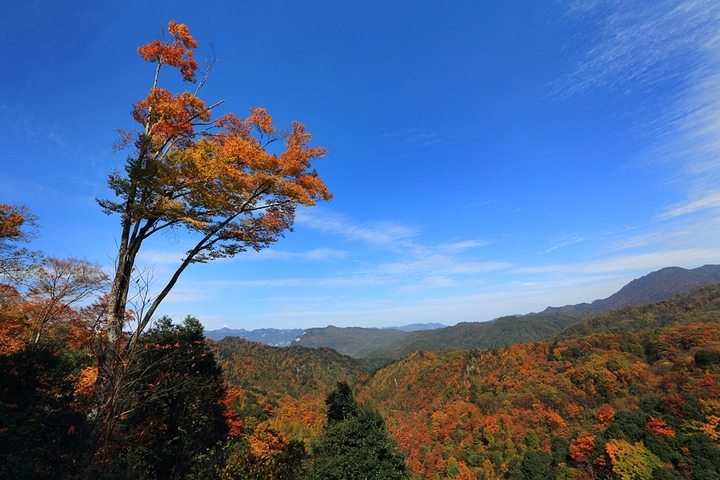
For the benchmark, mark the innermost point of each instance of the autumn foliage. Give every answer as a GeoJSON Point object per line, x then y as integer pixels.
{"type": "Point", "coordinates": [634, 393]}
{"type": "Point", "coordinates": [214, 176]}
{"type": "Point", "coordinates": [10, 222]}
{"type": "Point", "coordinates": [490, 410]}
{"type": "Point", "coordinates": [176, 53]}
{"type": "Point", "coordinates": [643, 404]}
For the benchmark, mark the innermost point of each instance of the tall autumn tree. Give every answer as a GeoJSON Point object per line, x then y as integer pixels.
{"type": "Point", "coordinates": [214, 177]}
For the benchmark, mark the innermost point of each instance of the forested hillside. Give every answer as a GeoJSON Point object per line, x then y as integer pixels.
{"type": "Point", "coordinates": [504, 331]}
{"type": "Point", "coordinates": [699, 305]}
{"type": "Point", "coordinates": [280, 371]}
{"type": "Point", "coordinates": [352, 341]}
{"type": "Point", "coordinates": [514, 329]}
{"type": "Point", "coordinates": [642, 405]}
{"type": "Point", "coordinates": [640, 400]}
{"type": "Point", "coordinates": [283, 387]}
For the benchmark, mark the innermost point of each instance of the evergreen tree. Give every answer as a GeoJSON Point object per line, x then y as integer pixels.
{"type": "Point", "coordinates": [354, 443]}
{"type": "Point", "coordinates": [173, 411]}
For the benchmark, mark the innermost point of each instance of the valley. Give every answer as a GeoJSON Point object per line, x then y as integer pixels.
{"type": "Point", "coordinates": [558, 394]}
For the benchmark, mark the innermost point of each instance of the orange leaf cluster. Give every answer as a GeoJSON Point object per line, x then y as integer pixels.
{"type": "Point", "coordinates": [85, 388]}
{"type": "Point", "coordinates": [659, 427]}
{"type": "Point", "coordinates": [175, 52]}
{"type": "Point", "coordinates": [10, 221]}
{"type": "Point", "coordinates": [605, 415]}
{"type": "Point", "coordinates": [266, 443]}
{"type": "Point", "coordinates": [581, 449]}
{"type": "Point", "coordinates": [574, 409]}
{"type": "Point", "coordinates": [11, 321]}
{"type": "Point", "coordinates": [170, 117]}
{"type": "Point", "coordinates": [491, 425]}
{"type": "Point", "coordinates": [711, 428]}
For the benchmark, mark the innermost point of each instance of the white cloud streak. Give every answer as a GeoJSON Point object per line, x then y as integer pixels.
{"type": "Point", "coordinates": [671, 49]}
{"type": "Point", "coordinates": [631, 263]}
{"type": "Point", "coordinates": [710, 200]}
{"type": "Point", "coordinates": [387, 234]}
{"type": "Point", "coordinates": [641, 43]}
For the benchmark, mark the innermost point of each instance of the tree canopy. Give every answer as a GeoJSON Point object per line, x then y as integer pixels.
{"type": "Point", "coordinates": [233, 183]}
{"type": "Point", "coordinates": [354, 443]}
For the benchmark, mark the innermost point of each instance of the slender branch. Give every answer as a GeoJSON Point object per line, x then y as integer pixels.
{"type": "Point", "coordinates": [187, 261]}
{"type": "Point", "coordinates": [216, 104]}
{"type": "Point", "coordinates": [207, 71]}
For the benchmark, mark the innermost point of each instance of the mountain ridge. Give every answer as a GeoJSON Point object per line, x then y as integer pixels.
{"type": "Point", "coordinates": [381, 345]}
{"type": "Point", "coordinates": [653, 287]}
{"type": "Point", "coordinates": [285, 337]}
{"type": "Point", "coordinates": [513, 329]}
{"type": "Point", "coordinates": [273, 337]}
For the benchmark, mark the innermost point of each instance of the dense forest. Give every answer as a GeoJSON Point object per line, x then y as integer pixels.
{"type": "Point", "coordinates": [633, 393]}
{"type": "Point", "coordinates": [631, 400]}
{"type": "Point", "coordinates": [594, 407]}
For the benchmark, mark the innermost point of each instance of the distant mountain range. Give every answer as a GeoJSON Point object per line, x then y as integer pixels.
{"type": "Point", "coordinates": [269, 336]}
{"type": "Point", "coordinates": [275, 337]}
{"type": "Point", "coordinates": [516, 329]}
{"type": "Point", "coordinates": [380, 346]}
{"type": "Point", "coordinates": [417, 326]}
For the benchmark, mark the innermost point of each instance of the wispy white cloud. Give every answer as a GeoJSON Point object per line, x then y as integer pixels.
{"type": "Point", "coordinates": [638, 262]}
{"type": "Point", "coordinates": [683, 228]}
{"type": "Point", "coordinates": [387, 234]}
{"type": "Point", "coordinates": [458, 247]}
{"type": "Point", "coordinates": [711, 200]}
{"type": "Point", "coordinates": [564, 242]}
{"type": "Point", "coordinates": [440, 265]}
{"type": "Point", "coordinates": [428, 283]}
{"type": "Point", "coordinates": [317, 254]}
{"type": "Point", "coordinates": [640, 44]}
{"type": "Point", "coordinates": [174, 252]}
{"type": "Point", "coordinates": [161, 257]}
{"type": "Point", "coordinates": [322, 282]}
{"type": "Point", "coordinates": [410, 256]}
{"type": "Point", "coordinates": [669, 49]}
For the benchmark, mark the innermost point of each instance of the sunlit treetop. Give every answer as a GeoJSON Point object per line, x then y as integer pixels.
{"type": "Point", "coordinates": [175, 52]}
{"type": "Point", "coordinates": [10, 222]}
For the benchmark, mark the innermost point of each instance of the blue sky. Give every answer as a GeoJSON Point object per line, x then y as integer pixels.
{"type": "Point", "coordinates": [487, 158]}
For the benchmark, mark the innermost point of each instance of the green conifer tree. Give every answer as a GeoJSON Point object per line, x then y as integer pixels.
{"type": "Point", "coordinates": [354, 443]}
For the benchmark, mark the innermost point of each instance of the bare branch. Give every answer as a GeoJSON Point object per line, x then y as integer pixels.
{"type": "Point", "coordinates": [207, 70]}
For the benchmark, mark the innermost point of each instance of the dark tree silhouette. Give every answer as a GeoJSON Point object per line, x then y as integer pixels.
{"type": "Point", "coordinates": [354, 443]}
